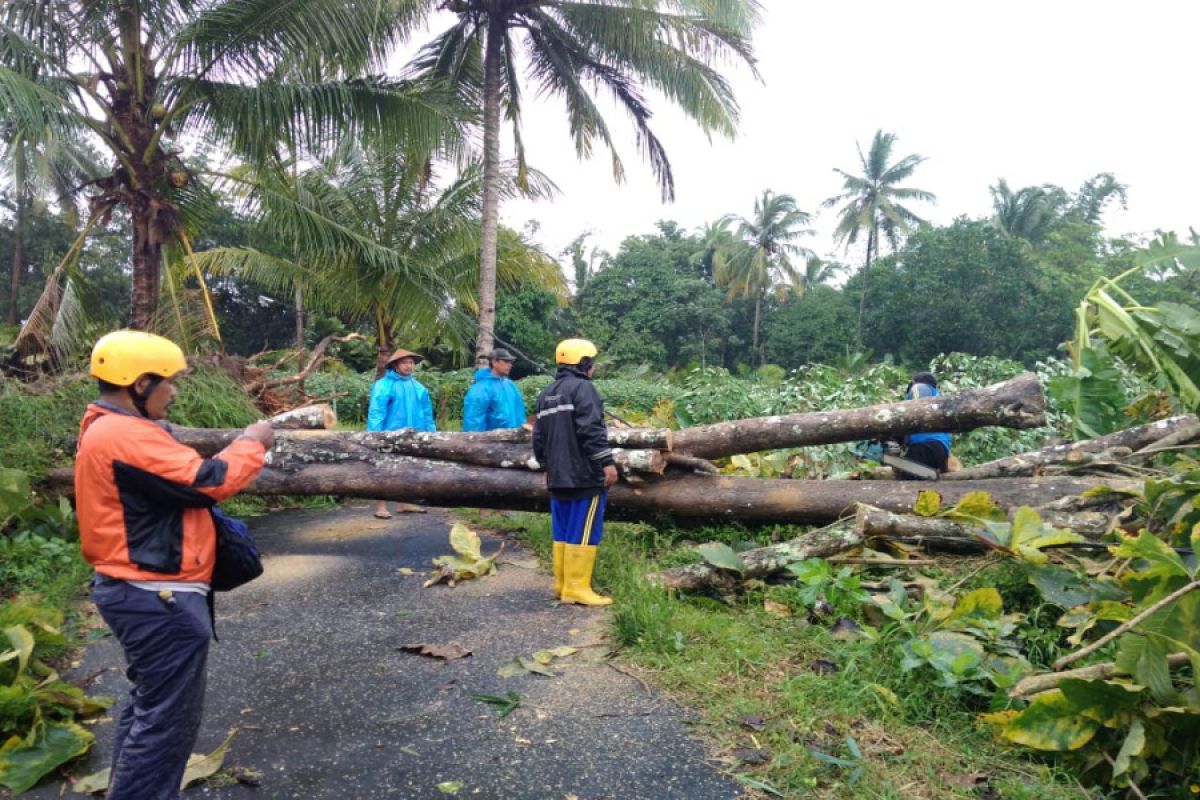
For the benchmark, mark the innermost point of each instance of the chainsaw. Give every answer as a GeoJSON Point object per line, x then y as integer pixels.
{"type": "Point", "coordinates": [891, 454]}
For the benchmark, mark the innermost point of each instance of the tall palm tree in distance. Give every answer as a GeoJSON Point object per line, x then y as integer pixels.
{"type": "Point", "coordinates": [761, 252]}
{"type": "Point", "coordinates": [871, 203]}
{"type": "Point", "coordinates": [573, 48]}
{"type": "Point", "coordinates": [1026, 213]}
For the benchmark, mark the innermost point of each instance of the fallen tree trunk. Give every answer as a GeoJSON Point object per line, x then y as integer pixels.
{"type": "Point", "coordinates": [1131, 439]}
{"type": "Point", "coordinates": [951, 536]}
{"type": "Point", "coordinates": [1035, 684]}
{"type": "Point", "coordinates": [315, 417]}
{"type": "Point", "coordinates": [762, 561]}
{"type": "Point", "coordinates": [1016, 403]}
{"type": "Point", "coordinates": [686, 499]}
{"type": "Point", "coordinates": [294, 449]}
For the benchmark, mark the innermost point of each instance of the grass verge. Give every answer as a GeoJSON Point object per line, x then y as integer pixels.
{"type": "Point", "coordinates": [790, 708]}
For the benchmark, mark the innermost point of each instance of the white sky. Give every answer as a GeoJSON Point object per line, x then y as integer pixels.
{"type": "Point", "coordinates": [1052, 91]}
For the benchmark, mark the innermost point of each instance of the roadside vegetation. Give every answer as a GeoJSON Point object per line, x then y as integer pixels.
{"type": "Point", "coordinates": [255, 186]}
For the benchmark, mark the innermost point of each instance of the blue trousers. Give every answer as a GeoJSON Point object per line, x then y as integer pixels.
{"type": "Point", "coordinates": [166, 649]}
{"type": "Point", "coordinates": [578, 521]}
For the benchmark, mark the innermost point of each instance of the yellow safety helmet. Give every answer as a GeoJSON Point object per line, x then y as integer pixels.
{"type": "Point", "coordinates": [121, 357]}
{"type": "Point", "coordinates": [572, 351]}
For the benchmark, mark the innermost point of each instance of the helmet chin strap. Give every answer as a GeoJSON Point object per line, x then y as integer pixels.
{"type": "Point", "coordinates": [139, 400]}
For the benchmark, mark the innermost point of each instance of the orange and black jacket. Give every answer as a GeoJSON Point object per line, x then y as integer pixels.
{"type": "Point", "coordinates": [143, 498]}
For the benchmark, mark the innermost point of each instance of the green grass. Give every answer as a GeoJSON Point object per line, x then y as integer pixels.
{"type": "Point", "coordinates": [792, 689]}
{"type": "Point", "coordinates": [44, 417]}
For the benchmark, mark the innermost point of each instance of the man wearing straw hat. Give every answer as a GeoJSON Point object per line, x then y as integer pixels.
{"type": "Point", "coordinates": [398, 400]}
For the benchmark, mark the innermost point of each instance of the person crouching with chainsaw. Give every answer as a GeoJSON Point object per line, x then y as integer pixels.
{"type": "Point", "coordinates": [143, 502]}
{"type": "Point", "coordinates": [929, 449]}
{"type": "Point", "coordinates": [570, 440]}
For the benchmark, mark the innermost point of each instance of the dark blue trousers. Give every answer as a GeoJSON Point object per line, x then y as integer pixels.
{"type": "Point", "coordinates": [166, 648]}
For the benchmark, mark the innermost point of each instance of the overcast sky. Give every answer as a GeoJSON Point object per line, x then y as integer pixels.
{"type": "Point", "coordinates": [1052, 91]}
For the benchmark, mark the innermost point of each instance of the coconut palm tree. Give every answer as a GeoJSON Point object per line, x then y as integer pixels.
{"type": "Point", "coordinates": [372, 242]}
{"type": "Point", "coordinates": [760, 253]}
{"type": "Point", "coordinates": [817, 271]}
{"type": "Point", "coordinates": [715, 240]}
{"type": "Point", "coordinates": [1027, 213]}
{"type": "Point", "coordinates": [572, 49]}
{"type": "Point", "coordinates": [871, 203]}
{"type": "Point", "coordinates": [244, 75]}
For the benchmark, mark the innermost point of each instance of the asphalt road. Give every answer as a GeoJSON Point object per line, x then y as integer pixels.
{"type": "Point", "coordinates": [310, 671]}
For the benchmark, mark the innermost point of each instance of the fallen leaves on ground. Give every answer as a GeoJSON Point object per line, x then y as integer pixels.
{"type": "Point", "coordinates": [446, 652]}
{"type": "Point", "coordinates": [539, 663]}
{"type": "Point", "coordinates": [468, 561]}
{"type": "Point", "coordinates": [199, 767]}
{"type": "Point", "coordinates": [504, 705]}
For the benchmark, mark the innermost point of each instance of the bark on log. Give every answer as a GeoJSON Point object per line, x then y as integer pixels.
{"type": "Point", "coordinates": [295, 449]}
{"type": "Point", "coordinates": [511, 443]}
{"type": "Point", "coordinates": [762, 561]}
{"type": "Point", "coordinates": [1024, 464]}
{"type": "Point", "coordinates": [688, 499]}
{"type": "Point", "coordinates": [947, 535]}
{"type": "Point", "coordinates": [1035, 684]}
{"type": "Point", "coordinates": [315, 417]}
{"type": "Point", "coordinates": [1016, 403]}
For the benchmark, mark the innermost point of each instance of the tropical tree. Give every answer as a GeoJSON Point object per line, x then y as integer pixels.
{"type": "Point", "coordinates": [817, 271]}
{"type": "Point", "coordinates": [584, 265]}
{"type": "Point", "coordinates": [244, 75]}
{"type": "Point", "coordinates": [715, 240]}
{"type": "Point", "coordinates": [36, 174]}
{"type": "Point", "coordinates": [573, 48]}
{"type": "Point", "coordinates": [1027, 213]}
{"type": "Point", "coordinates": [760, 254]}
{"type": "Point", "coordinates": [872, 203]}
{"type": "Point", "coordinates": [371, 242]}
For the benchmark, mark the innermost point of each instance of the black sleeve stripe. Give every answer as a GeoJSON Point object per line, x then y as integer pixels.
{"type": "Point", "coordinates": [211, 473]}
{"type": "Point", "coordinates": [155, 490]}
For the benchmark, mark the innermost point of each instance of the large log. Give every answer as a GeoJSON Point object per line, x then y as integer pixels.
{"type": "Point", "coordinates": [294, 449]}
{"type": "Point", "coordinates": [687, 499]}
{"type": "Point", "coordinates": [319, 416]}
{"type": "Point", "coordinates": [762, 561]}
{"type": "Point", "coordinates": [951, 536]}
{"type": "Point", "coordinates": [1016, 403]}
{"type": "Point", "coordinates": [1075, 453]}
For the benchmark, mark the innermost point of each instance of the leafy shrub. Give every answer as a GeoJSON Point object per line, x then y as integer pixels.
{"type": "Point", "coordinates": [355, 391]}
{"type": "Point", "coordinates": [37, 710]}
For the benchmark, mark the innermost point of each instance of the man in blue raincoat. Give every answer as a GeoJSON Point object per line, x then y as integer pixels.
{"type": "Point", "coordinates": [494, 401]}
{"type": "Point", "coordinates": [398, 400]}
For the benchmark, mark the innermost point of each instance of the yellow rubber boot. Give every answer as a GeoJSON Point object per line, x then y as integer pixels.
{"type": "Point", "coordinates": [558, 567]}
{"type": "Point", "coordinates": [578, 562]}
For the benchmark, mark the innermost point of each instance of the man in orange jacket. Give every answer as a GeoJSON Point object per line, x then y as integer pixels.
{"type": "Point", "coordinates": [143, 502]}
